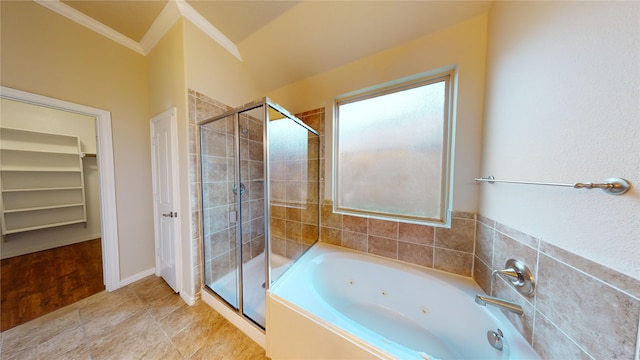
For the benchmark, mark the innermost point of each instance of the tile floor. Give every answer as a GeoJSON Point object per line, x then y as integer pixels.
{"type": "Point", "coordinates": [144, 320]}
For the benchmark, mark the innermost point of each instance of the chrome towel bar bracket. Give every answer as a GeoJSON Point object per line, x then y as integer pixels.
{"type": "Point", "coordinates": [613, 186]}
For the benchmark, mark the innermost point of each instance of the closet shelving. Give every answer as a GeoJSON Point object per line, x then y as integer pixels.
{"type": "Point", "coordinates": [42, 181]}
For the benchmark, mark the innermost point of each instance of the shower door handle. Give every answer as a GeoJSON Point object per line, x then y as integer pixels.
{"type": "Point", "coordinates": [235, 189]}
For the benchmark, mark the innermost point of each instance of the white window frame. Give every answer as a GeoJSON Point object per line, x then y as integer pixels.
{"type": "Point", "coordinates": [446, 191]}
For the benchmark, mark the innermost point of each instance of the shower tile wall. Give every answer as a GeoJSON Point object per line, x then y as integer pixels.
{"type": "Point", "coordinates": [252, 170]}
{"type": "Point", "coordinates": [217, 186]}
{"type": "Point", "coordinates": [581, 310]}
{"type": "Point", "coordinates": [294, 229]}
{"type": "Point", "coordinates": [201, 107]}
{"type": "Point", "coordinates": [294, 170]}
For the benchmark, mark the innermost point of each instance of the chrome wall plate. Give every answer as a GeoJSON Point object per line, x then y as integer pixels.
{"type": "Point", "coordinates": [525, 282]}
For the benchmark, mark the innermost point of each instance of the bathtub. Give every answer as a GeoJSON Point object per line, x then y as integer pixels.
{"type": "Point", "coordinates": [335, 303]}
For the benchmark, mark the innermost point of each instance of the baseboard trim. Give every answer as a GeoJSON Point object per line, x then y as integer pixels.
{"type": "Point", "coordinates": [189, 299]}
{"type": "Point", "coordinates": [133, 278]}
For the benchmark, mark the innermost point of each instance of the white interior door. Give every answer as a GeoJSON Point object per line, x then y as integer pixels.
{"type": "Point", "coordinates": [165, 198]}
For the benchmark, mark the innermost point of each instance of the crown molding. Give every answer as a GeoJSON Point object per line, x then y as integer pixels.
{"type": "Point", "coordinates": [203, 24]}
{"type": "Point", "coordinates": [90, 23]}
{"type": "Point", "coordinates": [162, 24]}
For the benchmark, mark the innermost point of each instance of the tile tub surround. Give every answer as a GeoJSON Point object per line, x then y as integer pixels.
{"type": "Point", "coordinates": [449, 250]}
{"type": "Point", "coordinates": [581, 310]}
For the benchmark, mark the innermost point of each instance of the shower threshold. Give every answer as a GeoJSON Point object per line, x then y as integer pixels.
{"type": "Point", "coordinates": [253, 291]}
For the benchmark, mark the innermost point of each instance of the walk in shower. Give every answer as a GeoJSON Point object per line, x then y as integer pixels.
{"type": "Point", "coordinates": [260, 201]}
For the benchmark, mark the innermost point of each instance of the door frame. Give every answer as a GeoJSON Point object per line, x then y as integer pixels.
{"type": "Point", "coordinates": [106, 175]}
{"type": "Point", "coordinates": [175, 177]}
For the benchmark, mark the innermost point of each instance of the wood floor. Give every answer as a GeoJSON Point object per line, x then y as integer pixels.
{"type": "Point", "coordinates": [144, 320]}
{"type": "Point", "coordinates": [36, 284]}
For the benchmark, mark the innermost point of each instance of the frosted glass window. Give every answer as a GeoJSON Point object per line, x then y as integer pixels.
{"type": "Point", "coordinates": [392, 152]}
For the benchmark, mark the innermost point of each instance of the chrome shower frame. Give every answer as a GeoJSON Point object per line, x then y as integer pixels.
{"type": "Point", "coordinates": [266, 103]}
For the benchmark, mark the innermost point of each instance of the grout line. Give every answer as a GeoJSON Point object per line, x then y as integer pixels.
{"type": "Point", "coordinates": [473, 252]}
{"type": "Point", "coordinates": [397, 239]}
{"type": "Point", "coordinates": [518, 241]}
{"type": "Point", "coordinates": [433, 260]}
{"type": "Point", "coordinates": [565, 335]}
{"type": "Point", "coordinates": [535, 296]}
{"type": "Point", "coordinates": [637, 357]}
{"type": "Point", "coordinates": [84, 334]}
{"type": "Point", "coordinates": [493, 254]}
{"type": "Point", "coordinates": [591, 276]}
{"type": "Point", "coordinates": [539, 252]}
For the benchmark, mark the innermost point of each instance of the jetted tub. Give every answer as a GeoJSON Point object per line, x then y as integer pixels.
{"type": "Point", "coordinates": [339, 304]}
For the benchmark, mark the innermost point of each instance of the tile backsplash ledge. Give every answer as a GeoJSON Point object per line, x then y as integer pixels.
{"type": "Point", "coordinates": [450, 250]}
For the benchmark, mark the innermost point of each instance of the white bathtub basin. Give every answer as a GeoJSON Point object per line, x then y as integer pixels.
{"type": "Point", "coordinates": [383, 309]}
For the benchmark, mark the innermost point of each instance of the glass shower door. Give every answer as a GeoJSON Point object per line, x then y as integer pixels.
{"type": "Point", "coordinates": [252, 214]}
{"type": "Point", "coordinates": [239, 210]}
{"type": "Point", "coordinates": [219, 208]}
{"type": "Point", "coordinates": [233, 210]}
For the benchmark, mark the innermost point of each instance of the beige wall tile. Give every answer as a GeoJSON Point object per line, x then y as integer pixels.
{"type": "Point", "coordinates": [294, 214]}
{"type": "Point", "coordinates": [453, 261]}
{"type": "Point", "coordinates": [294, 249]}
{"type": "Point", "coordinates": [354, 224]}
{"type": "Point", "coordinates": [328, 218]}
{"type": "Point", "coordinates": [331, 236]}
{"type": "Point", "coordinates": [293, 230]}
{"type": "Point", "coordinates": [585, 308]}
{"type": "Point", "coordinates": [310, 215]}
{"type": "Point", "coordinates": [415, 253]}
{"type": "Point", "coordinates": [310, 233]}
{"type": "Point", "coordinates": [417, 234]}
{"type": "Point", "coordinates": [482, 275]}
{"type": "Point", "coordinates": [382, 246]}
{"type": "Point", "coordinates": [354, 240]}
{"type": "Point", "coordinates": [459, 237]}
{"type": "Point", "coordinates": [383, 228]}
{"type": "Point", "coordinates": [278, 245]}
{"type": "Point", "coordinates": [277, 227]}
{"type": "Point", "coordinates": [526, 239]}
{"type": "Point", "coordinates": [616, 279]}
{"type": "Point", "coordinates": [484, 243]}
{"type": "Point", "coordinates": [551, 343]}
{"type": "Point", "coordinates": [507, 248]}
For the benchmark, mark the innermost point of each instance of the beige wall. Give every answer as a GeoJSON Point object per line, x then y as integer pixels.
{"type": "Point", "coordinates": [563, 105]}
{"type": "Point", "coordinates": [213, 71]}
{"type": "Point", "coordinates": [463, 45]}
{"type": "Point", "coordinates": [47, 54]}
{"type": "Point", "coordinates": [209, 70]}
{"type": "Point", "coordinates": [167, 89]}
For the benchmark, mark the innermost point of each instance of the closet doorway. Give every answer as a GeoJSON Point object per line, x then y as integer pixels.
{"type": "Point", "coordinates": [58, 204]}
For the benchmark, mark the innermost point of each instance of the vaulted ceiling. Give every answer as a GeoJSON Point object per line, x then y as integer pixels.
{"type": "Point", "coordinates": [279, 41]}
